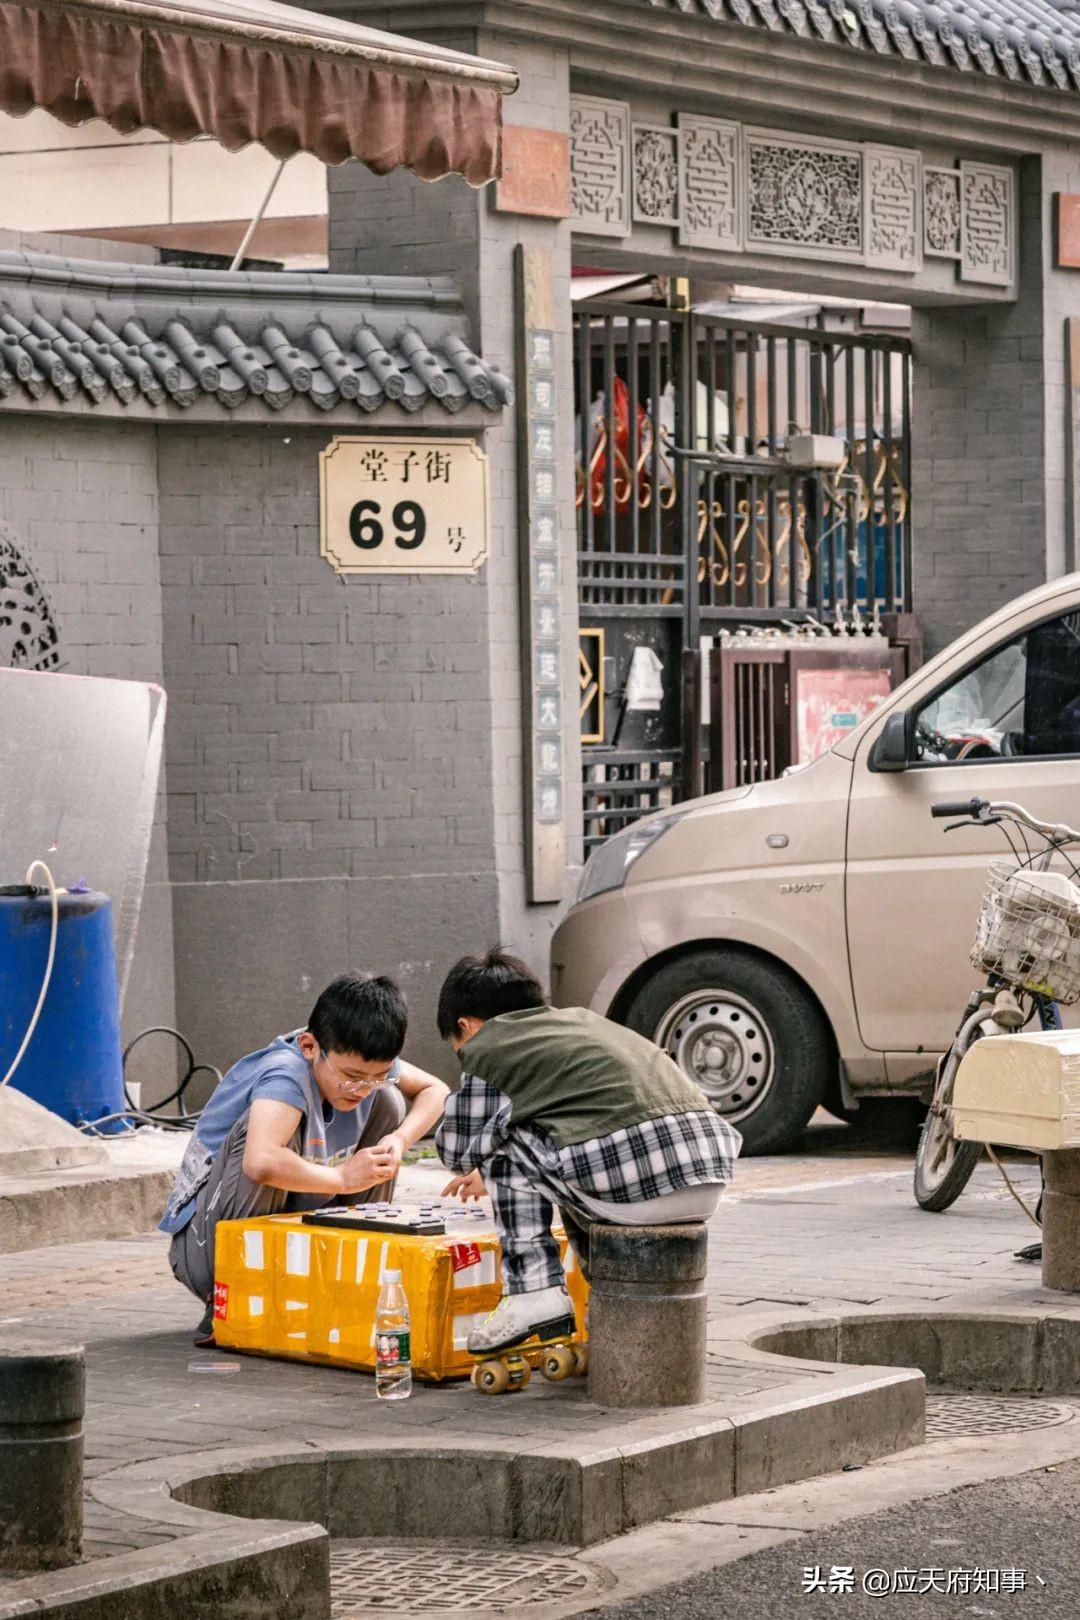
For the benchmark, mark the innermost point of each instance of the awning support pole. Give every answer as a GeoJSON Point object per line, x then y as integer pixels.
{"type": "Point", "coordinates": [257, 221]}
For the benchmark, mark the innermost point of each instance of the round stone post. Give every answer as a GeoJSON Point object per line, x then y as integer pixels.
{"type": "Point", "coordinates": [647, 1315]}
{"type": "Point", "coordinates": [42, 1390]}
{"type": "Point", "coordinates": [1061, 1220]}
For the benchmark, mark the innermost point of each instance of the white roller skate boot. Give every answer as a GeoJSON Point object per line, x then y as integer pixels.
{"type": "Point", "coordinates": [545, 1314]}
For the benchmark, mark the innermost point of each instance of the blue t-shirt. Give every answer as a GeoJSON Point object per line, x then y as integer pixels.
{"type": "Point", "coordinates": [279, 1073]}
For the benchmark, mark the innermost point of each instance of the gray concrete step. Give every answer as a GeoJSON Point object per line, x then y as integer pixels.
{"type": "Point", "coordinates": [120, 1196]}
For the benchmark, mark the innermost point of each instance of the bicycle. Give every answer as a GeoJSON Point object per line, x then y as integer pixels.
{"type": "Point", "coordinates": [1028, 943]}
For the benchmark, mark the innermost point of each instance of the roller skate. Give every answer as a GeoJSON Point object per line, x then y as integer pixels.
{"type": "Point", "coordinates": [525, 1332]}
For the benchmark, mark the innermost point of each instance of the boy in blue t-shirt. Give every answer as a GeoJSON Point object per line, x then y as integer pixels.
{"type": "Point", "coordinates": [321, 1116]}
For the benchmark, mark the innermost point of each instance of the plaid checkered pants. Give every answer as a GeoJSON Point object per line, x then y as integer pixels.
{"type": "Point", "coordinates": [528, 1174]}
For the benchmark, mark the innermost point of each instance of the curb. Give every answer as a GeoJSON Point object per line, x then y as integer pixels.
{"type": "Point", "coordinates": [251, 1527]}
{"type": "Point", "coordinates": [564, 1494]}
{"type": "Point", "coordinates": [1032, 1351]}
{"type": "Point", "coordinates": [271, 1569]}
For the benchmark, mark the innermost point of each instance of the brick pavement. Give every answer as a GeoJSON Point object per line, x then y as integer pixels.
{"type": "Point", "coordinates": [853, 1240]}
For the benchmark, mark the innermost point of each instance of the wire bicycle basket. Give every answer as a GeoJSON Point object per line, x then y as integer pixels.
{"type": "Point", "coordinates": [1029, 931]}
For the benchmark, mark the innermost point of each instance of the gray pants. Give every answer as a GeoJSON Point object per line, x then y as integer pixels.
{"type": "Point", "coordinates": [687, 1204]}
{"type": "Point", "coordinates": [229, 1195]}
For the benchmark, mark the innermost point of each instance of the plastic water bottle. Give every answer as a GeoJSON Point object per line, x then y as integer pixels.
{"type": "Point", "coordinates": [393, 1357]}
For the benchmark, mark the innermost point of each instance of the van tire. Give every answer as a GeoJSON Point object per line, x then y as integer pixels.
{"type": "Point", "coordinates": [800, 1041]}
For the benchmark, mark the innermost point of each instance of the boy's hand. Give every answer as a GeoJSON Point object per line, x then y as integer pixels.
{"type": "Point", "coordinates": [395, 1144]}
{"type": "Point", "coordinates": [367, 1168]}
{"type": "Point", "coordinates": [470, 1186]}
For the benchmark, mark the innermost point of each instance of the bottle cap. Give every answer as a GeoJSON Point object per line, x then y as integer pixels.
{"type": "Point", "coordinates": [391, 1276]}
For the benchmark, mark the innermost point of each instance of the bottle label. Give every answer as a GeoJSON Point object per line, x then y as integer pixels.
{"type": "Point", "coordinates": [392, 1349]}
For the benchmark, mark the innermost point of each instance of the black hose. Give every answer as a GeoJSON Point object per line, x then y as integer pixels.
{"type": "Point", "coordinates": [183, 1120]}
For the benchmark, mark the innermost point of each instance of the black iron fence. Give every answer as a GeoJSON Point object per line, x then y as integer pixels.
{"type": "Point", "coordinates": [700, 506]}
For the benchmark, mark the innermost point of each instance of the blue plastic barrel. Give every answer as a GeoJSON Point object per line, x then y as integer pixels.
{"type": "Point", "coordinates": [73, 1064]}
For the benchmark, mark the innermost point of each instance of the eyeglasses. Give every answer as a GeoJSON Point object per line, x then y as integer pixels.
{"type": "Point", "coordinates": [354, 1085]}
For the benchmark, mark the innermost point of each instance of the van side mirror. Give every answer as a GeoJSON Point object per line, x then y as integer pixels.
{"type": "Point", "coordinates": [892, 751]}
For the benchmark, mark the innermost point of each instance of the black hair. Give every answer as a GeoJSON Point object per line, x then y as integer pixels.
{"type": "Point", "coordinates": [485, 986]}
{"type": "Point", "coordinates": [361, 1015]}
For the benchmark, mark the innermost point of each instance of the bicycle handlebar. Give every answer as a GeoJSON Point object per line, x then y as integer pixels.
{"type": "Point", "coordinates": [985, 811]}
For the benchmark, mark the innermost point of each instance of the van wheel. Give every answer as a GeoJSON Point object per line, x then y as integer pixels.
{"type": "Point", "coordinates": [747, 1033]}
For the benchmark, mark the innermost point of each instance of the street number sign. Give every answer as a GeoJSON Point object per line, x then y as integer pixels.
{"type": "Point", "coordinates": [403, 506]}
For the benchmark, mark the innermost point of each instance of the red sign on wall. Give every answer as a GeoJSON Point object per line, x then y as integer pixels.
{"type": "Point", "coordinates": [1067, 229]}
{"type": "Point", "coordinates": [536, 173]}
{"type": "Point", "coordinates": [832, 702]}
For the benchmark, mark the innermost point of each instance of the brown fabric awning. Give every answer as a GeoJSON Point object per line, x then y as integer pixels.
{"type": "Point", "coordinates": [249, 71]}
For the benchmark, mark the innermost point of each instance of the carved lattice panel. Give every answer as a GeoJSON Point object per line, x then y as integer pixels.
{"type": "Point", "coordinates": [656, 175]}
{"type": "Point", "coordinates": [987, 227]}
{"type": "Point", "coordinates": [709, 183]}
{"type": "Point", "coordinates": [600, 165]}
{"type": "Point", "coordinates": [804, 196]}
{"type": "Point", "coordinates": [29, 637]}
{"type": "Point", "coordinates": [894, 208]}
{"type": "Point", "coordinates": [941, 213]}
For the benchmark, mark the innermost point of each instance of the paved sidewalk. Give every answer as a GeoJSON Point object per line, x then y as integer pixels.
{"type": "Point", "coordinates": [809, 1234]}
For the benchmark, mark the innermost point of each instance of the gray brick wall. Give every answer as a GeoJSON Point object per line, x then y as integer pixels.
{"type": "Point", "coordinates": [82, 500]}
{"type": "Point", "coordinates": [983, 507]}
{"type": "Point", "coordinates": [328, 746]}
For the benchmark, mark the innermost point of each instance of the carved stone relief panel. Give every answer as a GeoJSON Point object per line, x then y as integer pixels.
{"type": "Point", "coordinates": [29, 636]}
{"type": "Point", "coordinates": [804, 196]}
{"type": "Point", "coordinates": [656, 175]}
{"type": "Point", "coordinates": [600, 165]}
{"type": "Point", "coordinates": [986, 224]}
{"type": "Point", "coordinates": [725, 188]}
{"type": "Point", "coordinates": [941, 213]}
{"type": "Point", "coordinates": [709, 183]}
{"type": "Point", "coordinates": [893, 208]}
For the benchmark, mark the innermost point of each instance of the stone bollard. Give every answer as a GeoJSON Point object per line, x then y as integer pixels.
{"type": "Point", "coordinates": [1061, 1220]}
{"type": "Point", "coordinates": [42, 1390]}
{"type": "Point", "coordinates": [647, 1315]}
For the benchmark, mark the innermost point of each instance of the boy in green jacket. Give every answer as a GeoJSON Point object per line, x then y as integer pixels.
{"type": "Point", "coordinates": [561, 1107]}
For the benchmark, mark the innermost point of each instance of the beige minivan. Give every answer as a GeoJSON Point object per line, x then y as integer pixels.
{"type": "Point", "coordinates": [806, 940]}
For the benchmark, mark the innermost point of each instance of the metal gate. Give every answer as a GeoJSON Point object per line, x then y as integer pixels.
{"type": "Point", "coordinates": [692, 516]}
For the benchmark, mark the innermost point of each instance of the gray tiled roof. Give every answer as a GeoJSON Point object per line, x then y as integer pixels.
{"type": "Point", "coordinates": [82, 330]}
{"type": "Point", "coordinates": [1035, 41]}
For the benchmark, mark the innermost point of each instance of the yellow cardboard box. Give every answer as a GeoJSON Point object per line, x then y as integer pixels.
{"type": "Point", "coordinates": [309, 1292]}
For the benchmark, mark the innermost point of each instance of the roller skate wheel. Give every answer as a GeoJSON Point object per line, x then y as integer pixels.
{"type": "Point", "coordinates": [491, 1377]}
{"type": "Point", "coordinates": [581, 1358]}
{"type": "Point", "coordinates": [518, 1371]}
{"type": "Point", "coordinates": [557, 1363]}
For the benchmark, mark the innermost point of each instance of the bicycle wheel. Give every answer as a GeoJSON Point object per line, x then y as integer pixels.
{"type": "Point", "coordinates": [943, 1164]}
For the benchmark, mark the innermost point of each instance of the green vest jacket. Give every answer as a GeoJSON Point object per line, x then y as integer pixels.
{"type": "Point", "coordinates": [577, 1074]}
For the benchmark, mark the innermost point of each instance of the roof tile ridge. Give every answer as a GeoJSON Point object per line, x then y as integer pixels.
{"type": "Point", "coordinates": [379, 361]}
{"type": "Point", "coordinates": [333, 362]}
{"type": "Point", "coordinates": [423, 361]}
{"type": "Point", "coordinates": [157, 280]}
